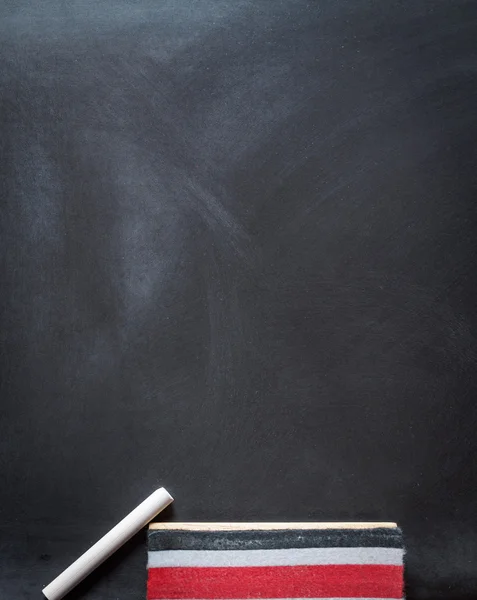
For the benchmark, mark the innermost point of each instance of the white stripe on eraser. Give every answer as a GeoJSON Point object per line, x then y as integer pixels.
{"type": "Point", "coordinates": [275, 558]}
{"type": "Point", "coordinates": [108, 544]}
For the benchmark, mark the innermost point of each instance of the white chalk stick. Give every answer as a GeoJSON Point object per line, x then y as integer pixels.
{"type": "Point", "coordinates": [108, 544]}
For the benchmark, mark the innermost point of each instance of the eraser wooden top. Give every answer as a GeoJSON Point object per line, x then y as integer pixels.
{"type": "Point", "coordinates": [266, 526]}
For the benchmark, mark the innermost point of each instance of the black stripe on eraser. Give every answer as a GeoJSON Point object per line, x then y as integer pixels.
{"type": "Point", "coordinates": [181, 539]}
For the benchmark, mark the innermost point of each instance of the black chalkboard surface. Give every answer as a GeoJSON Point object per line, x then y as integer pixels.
{"type": "Point", "coordinates": [238, 260]}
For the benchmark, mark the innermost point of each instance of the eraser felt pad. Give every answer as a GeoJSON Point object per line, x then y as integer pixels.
{"type": "Point", "coordinates": [307, 560]}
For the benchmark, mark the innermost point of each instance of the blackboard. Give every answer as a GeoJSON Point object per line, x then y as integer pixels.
{"type": "Point", "coordinates": [239, 261]}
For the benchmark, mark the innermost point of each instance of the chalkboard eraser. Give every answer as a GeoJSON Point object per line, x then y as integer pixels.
{"type": "Point", "coordinates": [108, 544]}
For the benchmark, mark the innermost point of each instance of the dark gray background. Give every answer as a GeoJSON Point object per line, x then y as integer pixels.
{"type": "Point", "coordinates": [238, 260]}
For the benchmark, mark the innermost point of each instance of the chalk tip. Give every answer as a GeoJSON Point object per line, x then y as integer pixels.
{"type": "Point", "coordinates": [163, 490]}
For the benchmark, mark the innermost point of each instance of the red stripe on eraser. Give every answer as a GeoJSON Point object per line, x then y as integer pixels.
{"type": "Point", "coordinates": [319, 581]}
